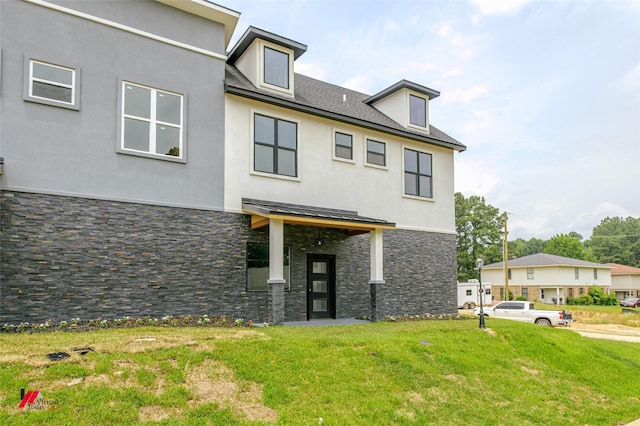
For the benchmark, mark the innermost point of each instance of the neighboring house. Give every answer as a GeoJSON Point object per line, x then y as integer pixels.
{"type": "Point", "coordinates": [547, 278]}
{"type": "Point", "coordinates": [148, 172]}
{"type": "Point", "coordinates": [625, 280]}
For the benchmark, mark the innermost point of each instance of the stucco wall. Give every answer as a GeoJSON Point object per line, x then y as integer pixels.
{"type": "Point", "coordinates": [325, 182]}
{"type": "Point", "coordinates": [73, 152]}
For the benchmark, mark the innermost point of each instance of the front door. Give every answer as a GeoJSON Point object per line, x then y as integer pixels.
{"type": "Point", "coordinates": [321, 293]}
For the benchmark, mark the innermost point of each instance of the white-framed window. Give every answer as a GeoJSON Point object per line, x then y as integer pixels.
{"type": "Point", "coordinates": [152, 122]}
{"type": "Point", "coordinates": [576, 273]}
{"type": "Point", "coordinates": [376, 153]}
{"type": "Point", "coordinates": [529, 273]}
{"type": "Point", "coordinates": [469, 293]}
{"type": "Point", "coordinates": [417, 111]}
{"type": "Point", "coordinates": [418, 173]}
{"type": "Point", "coordinates": [275, 145]}
{"type": "Point", "coordinates": [342, 146]}
{"type": "Point", "coordinates": [275, 68]}
{"type": "Point", "coordinates": [258, 267]}
{"type": "Point", "coordinates": [52, 84]}
{"type": "Point", "coordinates": [525, 292]}
{"type": "Point", "coordinates": [595, 273]}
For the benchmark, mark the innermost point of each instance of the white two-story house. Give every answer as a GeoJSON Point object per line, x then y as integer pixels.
{"type": "Point", "coordinates": [350, 195]}
{"type": "Point", "coordinates": [149, 170]}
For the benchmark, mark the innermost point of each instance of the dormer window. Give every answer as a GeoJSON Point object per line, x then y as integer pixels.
{"type": "Point", "coordinates": [266, 60]}
{"type": "Point", "coordinates": [276, 68]}
{"type": "Point", "coordinates": [417, 111]}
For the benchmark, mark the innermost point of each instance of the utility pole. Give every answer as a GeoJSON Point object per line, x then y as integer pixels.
{"type": "Point", "coordinates": [505, 255]}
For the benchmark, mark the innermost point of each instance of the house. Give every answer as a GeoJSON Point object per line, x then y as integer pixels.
{"type": "Point", "coordinates": [547, 278]}
{"type": "Point", "coordinates": [167, 176]}
{"type": "Point", "coordinates": [625, 280]}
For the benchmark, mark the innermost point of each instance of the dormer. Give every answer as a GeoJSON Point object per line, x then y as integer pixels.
{"type": "Point", "coordinates": [406, 103]}
{"type": "Point", "coordinates": [266, 59]}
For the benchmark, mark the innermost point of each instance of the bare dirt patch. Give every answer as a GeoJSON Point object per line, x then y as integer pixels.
{"type": "Point", "coordinates": [607, 331]}
{"type": "Point", "coordinates": [215, 382]}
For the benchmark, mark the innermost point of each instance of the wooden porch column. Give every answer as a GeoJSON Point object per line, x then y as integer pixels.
{"type": "Point", "coordinates": [376, 281]}
{"type": "Point", "coordinates": [276, 280]}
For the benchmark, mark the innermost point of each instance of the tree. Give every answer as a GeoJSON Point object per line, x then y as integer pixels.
{"type": "Point", "coordinates": [520, 247]}
{"type": "Point", "coordinates": [568, 246]}
{"type": "Point", "coordinates": [616, 240]}
{"type": "Point", "coordinates": [479, 234]}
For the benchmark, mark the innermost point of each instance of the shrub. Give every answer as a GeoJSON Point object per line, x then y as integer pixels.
{"type": "Point", "coordinates": [524, 299]}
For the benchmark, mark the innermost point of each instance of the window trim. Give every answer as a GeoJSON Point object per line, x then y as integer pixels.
{"type": "Point", "coordinates": [252, 137]}
{"type": "Point", "coordinates": [366, 153]}
{"type": "Point", "coordinates": [122, 116]}
{"type": "Point", "coordinates": [576, 273]}
{"type": "Point", "coordinates": [29, 79]}
{"type": "Point", "coordinates": [404, 171]}
{"type": "Point", "coordinates": [262, 45]}
{"type": "Point", "coordinates": [530, 274]}
{"type": "Point", "coordinates": [285, 272]}
{"type": "Point", "coordinates": [334, 145]}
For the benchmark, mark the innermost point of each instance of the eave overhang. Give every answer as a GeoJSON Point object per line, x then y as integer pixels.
{"type": "Point", "coordinates": [294, 214]}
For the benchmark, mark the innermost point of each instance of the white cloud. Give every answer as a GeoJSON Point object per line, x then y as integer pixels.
{"type": "Point", "coordinates": [465, 95]}
{"type": "Point", "coordinates": [359, 83]}
{"type": "Point", "coordinates": [490, 7]}
{"type": "Point", "coordinates": [473, 177]}
{"type": "Point", "coordinates": [314, 70]}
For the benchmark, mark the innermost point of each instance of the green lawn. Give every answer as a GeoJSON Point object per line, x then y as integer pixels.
{"type": "Point", "coordinates": [413, 373]}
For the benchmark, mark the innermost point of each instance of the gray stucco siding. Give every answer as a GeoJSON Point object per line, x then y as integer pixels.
{"type": "Point", "coordinates": [56, 150]}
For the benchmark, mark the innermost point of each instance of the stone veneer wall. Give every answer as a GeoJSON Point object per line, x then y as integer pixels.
{"type": "Point", "coordinates": [67, 257]}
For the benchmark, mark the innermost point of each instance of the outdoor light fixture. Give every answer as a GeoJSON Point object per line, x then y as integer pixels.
{"type": "Point", "coordinates": [479, 265]}
{"type": "Point", "coordinates": [319, 240]}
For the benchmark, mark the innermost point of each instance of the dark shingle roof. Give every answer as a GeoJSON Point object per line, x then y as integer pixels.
{"type": "Point", "coordinates": [543, 259]}
{"type": "Point", "coordinates": [326, 100]}
{"type": "Point", "coordinates": [266, 208]}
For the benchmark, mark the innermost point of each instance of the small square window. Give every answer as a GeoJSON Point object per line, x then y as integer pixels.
{"type": "Point", "coordinates": [52, 84]}
{"type": "Point", "coordinates": [417, 111]}
{"type": "Point", "coordinates": [376, 153]}
{"type": "Point", "coordinates": [151, 121]}
{"type": "Point", "coordinates": [276, 68]}
{"type": "Point", "coordinates": [343, 146]}
{"type": "Point", "coordinates": [469, 293]}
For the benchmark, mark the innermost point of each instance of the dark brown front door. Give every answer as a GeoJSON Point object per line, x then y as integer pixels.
{"type": "Point", "coordinates": [321, 292]}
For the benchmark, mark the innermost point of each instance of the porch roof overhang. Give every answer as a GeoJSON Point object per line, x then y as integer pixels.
{"type": "Point", "coordinates": [262, 211]}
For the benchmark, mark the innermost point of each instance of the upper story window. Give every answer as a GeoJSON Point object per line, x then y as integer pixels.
{"type": "Point", "coordinates": [529, 273]}
{"type": "Point", "coordinates": [52, 84]}
{"type": "Point", "coordinates": [343, 146]}
{"type": "Point", "coordinates": [376, 153]}
{"type": "Point", "coordinates": [275, 146]}
{"type": "Point", "coordinates": [418, 174]}
{"type": "Point", "coordinates": [595, 274]}
{"type": "Point", "coordinates": [152, 121]}
{"type": "Point", "coordinates": [417, 111]}
{"type": "Point", "coordinates": [276, 68]}
{"type": "Point", "coordinates": [576, 273]}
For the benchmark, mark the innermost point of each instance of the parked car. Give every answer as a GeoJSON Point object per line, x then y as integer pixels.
{"type": "Point", "coordinates": [527, 312]}
{"type": "Point", "coordinates": [631, 302]}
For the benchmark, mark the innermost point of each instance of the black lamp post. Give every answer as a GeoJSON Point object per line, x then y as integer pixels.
{"type": "Point", "coordinates": [479, 265]}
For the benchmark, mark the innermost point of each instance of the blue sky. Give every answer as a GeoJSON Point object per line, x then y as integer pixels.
{"type": "Point", "coordinates": [544, 94]}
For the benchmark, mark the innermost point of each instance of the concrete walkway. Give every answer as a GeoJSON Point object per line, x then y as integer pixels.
{"type": "Point", "coordinates": [326, 322]}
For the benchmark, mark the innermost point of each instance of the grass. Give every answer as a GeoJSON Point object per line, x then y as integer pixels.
{"type": "Point", "coordinates": [405, 373]}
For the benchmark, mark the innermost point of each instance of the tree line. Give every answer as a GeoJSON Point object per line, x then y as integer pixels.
{"type": "Point", "coordinates": [480, 234]}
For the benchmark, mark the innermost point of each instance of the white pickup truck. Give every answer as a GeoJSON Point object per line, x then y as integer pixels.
{"type": "Point", "coordinates": [526, 311]}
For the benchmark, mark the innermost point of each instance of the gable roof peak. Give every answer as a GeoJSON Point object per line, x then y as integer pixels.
{"type": "Point", "coordinates": [403, 84]}
{"type": "Point", "coordinates": [252, 33]}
